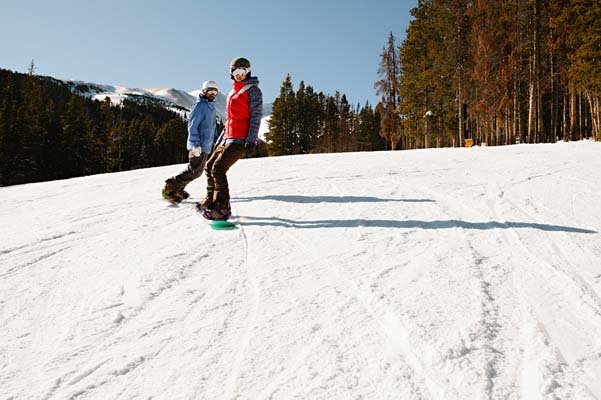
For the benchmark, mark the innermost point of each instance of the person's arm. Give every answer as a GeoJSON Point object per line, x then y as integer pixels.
{"type": "Point", "coordinates": [196, 117]}
{"type": "Point", "coordinates": [208, 129]}
{"type": "Point", "coordinates": [255, 104]}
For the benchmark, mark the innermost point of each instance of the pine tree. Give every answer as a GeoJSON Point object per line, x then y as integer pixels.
{"type": "Point", "coordinates": [388, 89]}
{"type": "Point", "coordinates": [4, 130]}
{"type": "Point", "coordinates": [170, 142]}
{"type": "Point", "coordinates": [312, 118]}
{"type": "Point", "coordinates": [31, 69]}
{"type": "Point", "coordinates": [367, 130]}
{"type": "Point", "coordinates": [146, 156]}
{"type": "Point", "coordinates": [303, 118]}
{"type": "Point", "coordinates": [281, 137]}
{"type": "Point", "coordinates": [580, 22]}
{"type": "Point", "coordinates": [345, 138]}
{"type": "Point", "coordinates": [331, 126]}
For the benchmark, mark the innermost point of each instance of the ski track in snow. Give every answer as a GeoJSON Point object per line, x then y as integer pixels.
{"type": "Point", "coordinates": [487, 337]}
{"type": "Point", "coordinates": [393, 329]}
{"type": "Point", "coordinates": [438, 274]}
{"type": "Point", "coordinates": [250, 326]}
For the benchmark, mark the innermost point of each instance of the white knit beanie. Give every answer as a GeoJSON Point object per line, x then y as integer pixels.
{"type": "Point", "coordinates": [208, 85]}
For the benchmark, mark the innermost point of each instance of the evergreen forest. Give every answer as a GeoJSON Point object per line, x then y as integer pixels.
{"type": "Point", "coordinates": [304, 122]}
{"type": "Point", "coordinates": [493, 72]}
{"type": "Point", "coordinates": [48, 131]}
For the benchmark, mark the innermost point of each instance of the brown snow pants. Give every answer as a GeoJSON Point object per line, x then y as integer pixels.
{"type": "Point", "coordinates": [219, 163]}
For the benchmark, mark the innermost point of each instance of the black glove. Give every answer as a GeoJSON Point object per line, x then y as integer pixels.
{"type": "Point", "coordinates": [250, 149]}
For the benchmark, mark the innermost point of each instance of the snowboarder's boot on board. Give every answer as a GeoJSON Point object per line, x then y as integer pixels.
{"type": "Point", "coordinates": [207, 201]}
{"type": "Point", "coordinates": [221, 211]}
{"type": "Point", "coordinates": [217, 214]}
{"type": "Point", "coordinates": [205, 212]}
{"type": "Point", "coordinates": [170, 194]}
{"type": "Point", "coordinates": [183, 194]}
{"type": "Point", "coordinates": [204, 206]}
{"type": "Point", "coordinates": [215, 211]}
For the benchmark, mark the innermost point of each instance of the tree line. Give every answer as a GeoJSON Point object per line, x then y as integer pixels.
{"type": "Point", "coordinates": [48, 132]}
{"type": "Point", "coordinates": [305, 121]}
{"type": "Point", "coordinates": [502, 72]}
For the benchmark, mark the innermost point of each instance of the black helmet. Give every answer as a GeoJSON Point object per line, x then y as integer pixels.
{"type": "Point", "coordinates": [240, 62]}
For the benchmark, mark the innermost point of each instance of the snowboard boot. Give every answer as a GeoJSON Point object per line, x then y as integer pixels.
{"type": "Point", "coordinates": [183, 194]}
{"type": "Point", "coordinates": [215, 212]}
{"type": "Point", "coordinates": [171, 195]}
{"type": "Point", "coordinates": [221, 211]}
{"type": "Point", "coordinates": [207, 201]}
{"type": "Point", "coordinates": [205, 212]}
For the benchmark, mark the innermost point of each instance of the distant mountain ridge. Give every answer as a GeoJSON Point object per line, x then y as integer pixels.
{"type": "Point", "coordinates": [170, 98]}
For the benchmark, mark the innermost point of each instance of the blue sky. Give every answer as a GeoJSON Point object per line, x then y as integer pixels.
{"type": "Point", "coordinates": [331, 45]}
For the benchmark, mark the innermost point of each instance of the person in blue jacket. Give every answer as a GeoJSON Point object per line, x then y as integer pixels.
{"type": "Point", "coordinates": [201, 136]}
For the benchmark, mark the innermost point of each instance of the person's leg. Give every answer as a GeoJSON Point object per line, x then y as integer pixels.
{"type": "Point", "coordinates": [193, 170]}
{"type": "Point", "coordinates": [197, 166]}
{"type": "Point", "coordinates": [208, 200]}
{"type": "Point", "coordinates": [221, 196]}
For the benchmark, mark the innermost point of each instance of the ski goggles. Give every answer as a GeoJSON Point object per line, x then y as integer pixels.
{"type": "Point", "coordinates": [239, 71]}
{"type": "Point", "coordinates": [211, 91]}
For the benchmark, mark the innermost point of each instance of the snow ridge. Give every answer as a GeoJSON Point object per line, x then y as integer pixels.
{"type": "Point", "coordinates": [176, 100]}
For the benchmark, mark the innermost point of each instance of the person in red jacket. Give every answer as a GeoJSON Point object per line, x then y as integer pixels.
{"type": "Point", "coordinates": [244, 110]}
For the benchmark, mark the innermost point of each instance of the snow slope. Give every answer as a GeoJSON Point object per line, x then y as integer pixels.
{"type": "Point", "coordinates": [430, 274]}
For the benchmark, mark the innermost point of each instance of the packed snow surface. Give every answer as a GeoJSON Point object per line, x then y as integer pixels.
{"type": "Point", "coordinates": [429, 274]}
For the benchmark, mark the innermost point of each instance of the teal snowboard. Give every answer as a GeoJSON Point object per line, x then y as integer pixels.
{"type": "Point", "coordinates": [222, 225]}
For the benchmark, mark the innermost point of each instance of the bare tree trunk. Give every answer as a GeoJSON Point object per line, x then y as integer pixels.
{"type": "Point", "coordinates": [531, 120]}
{"type": "Point", "coordinates": [534, 99]}
{"type": "Point", "coordinates": [580, 117]}
{"type": "Point", "coordinates": [554, 105]}
{"type": "Point", "coordinates": [508, 126]}
{"type": "Point", "coordinates": [540, 126]}
{"type": "Point", "coordinates": [521, 127]}
{"type": "Point", "coordinates": [516, 110]}
{"type": "Point", "coordinates": [566, 126]}
{"type": "Point", "coordinates": [496, 130]}
{"type": "Point", "coordinates": [460, 110]}
{"type": "Point", "coordinates": [573, 121]}
{"type": "Point", "coordinates": [595, 115]}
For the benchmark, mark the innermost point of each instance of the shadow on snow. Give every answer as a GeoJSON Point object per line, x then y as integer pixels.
{"type": "Point", "coordinates": [407, 224]}
{"type": "Point", "coordinates": [379, 223]}
{"type": "Point", "coordinates": [327, 199]}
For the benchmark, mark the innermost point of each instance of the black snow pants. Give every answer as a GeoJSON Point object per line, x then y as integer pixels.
{"type": "Point", "coordinates": [194, 169]}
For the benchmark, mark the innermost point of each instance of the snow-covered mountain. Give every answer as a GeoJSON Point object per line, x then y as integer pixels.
{"type": "Point", "coordinates": [170, 98]}
{"type": "Point", "coordinates": [446, 274]}
{"type": "Point", "coordinates": [174, 99]}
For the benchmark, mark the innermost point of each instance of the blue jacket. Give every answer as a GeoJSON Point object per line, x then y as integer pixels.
{"type": "Point", "coordinates": [202, 125]}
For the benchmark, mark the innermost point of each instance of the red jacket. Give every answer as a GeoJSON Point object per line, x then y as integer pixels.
{"type": "Point", "coordinates": [238, 113]}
